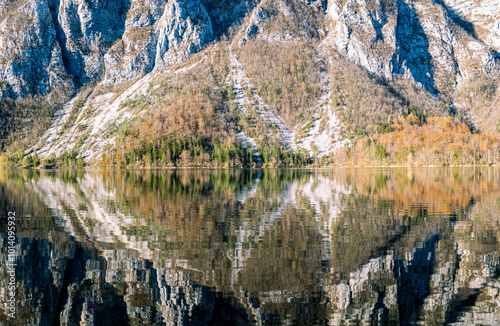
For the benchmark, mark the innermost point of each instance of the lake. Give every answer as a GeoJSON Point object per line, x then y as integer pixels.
{"type": "Point", "coordinates": [252, 247]}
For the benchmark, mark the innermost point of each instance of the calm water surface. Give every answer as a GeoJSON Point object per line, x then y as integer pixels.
{"type": "Point", "coordinates": [254, 247]}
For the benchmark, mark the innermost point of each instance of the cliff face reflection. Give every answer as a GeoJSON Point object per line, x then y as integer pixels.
{"type": "Point", "coordinates": [261, 247]}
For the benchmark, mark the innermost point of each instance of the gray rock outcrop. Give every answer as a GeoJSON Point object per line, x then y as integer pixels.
{"type": "Point", "coordinates": [54, 44]}
{"type": "Point", "coordinates": [420, 40]}
{"type": "Point", "coordinates": [185, 28]}
{"type": "Point", "coordinates": [31, 60]}
{"type": "Point", "coordinates": [58, 44]}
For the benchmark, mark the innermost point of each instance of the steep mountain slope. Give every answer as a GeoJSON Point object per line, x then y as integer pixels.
{"type": "Point", "coordinates": [317, 74]}
{"type": "Point", "coordinates": [421, 40]}
{"type": "Point", "coordinates": [49, 41]}
{"type": "Point", "coordinates": [31, 60]}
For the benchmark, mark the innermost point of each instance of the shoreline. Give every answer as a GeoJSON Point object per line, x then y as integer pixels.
{"type": "Point", "coordinates": [96, 168]}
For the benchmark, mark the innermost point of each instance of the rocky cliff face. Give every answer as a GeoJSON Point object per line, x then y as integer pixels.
{"type": "Point", "coordinates": [158, 34]}
{"type": "Point", "coordinates": [481, 20]}
{"type": "Point", "coordinates": [430, 42]}
{"type": "Point", "coordinates": [31, 60]}
{"type": "Point", "coordinates": [86, 31]}
{"type": "Point", "coordinates": [54, 44]}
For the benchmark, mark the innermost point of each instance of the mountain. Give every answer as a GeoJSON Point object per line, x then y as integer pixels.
{"type": "Point", "coordinates": [99, 79]}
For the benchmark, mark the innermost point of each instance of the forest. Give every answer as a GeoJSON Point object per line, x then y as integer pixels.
{"type": "Point", "coordinates": [415, 142]}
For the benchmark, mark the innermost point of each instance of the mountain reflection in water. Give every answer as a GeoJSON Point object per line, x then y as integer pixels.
{"type": "Point", "coordinates": [254, 247]}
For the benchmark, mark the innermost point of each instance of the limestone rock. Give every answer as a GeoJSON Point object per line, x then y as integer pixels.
{"type": "Point", "coordinates": [414, 39]}
{"type": "Point", "coordinates": [257, 17]}
{"type": "Point", "coordinates": [87, 30]}
{"type": "Point", "coordinates": [157, 34]}
{"type": "Point", "coordinates": [184, 28]}
{"type": "Point", "coordinates": [481, 20]}
{"type": "Point", "coordinates": [135, 52]}
{"type": "Point", "coordinates": [30, 57]}
{"type": "Point", "coordinates": [53, 44]}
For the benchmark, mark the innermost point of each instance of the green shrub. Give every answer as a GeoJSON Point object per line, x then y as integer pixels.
{"type": "Point", "coordinates": [380, 152]}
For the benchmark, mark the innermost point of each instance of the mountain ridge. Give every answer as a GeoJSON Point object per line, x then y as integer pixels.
{"type": "Point", "coordinates": [420, 56]}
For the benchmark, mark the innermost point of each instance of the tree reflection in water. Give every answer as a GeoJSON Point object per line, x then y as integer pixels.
{"type": "Point", "coordinates": [255, 247]}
